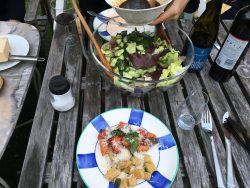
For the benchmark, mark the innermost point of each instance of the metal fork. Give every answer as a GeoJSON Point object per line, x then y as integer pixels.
{"type": "Point", "coordinates": [206, 124]}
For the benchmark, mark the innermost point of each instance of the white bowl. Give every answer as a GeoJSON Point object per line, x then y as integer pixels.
{"type": "Point", "coordinates": [138, 16]}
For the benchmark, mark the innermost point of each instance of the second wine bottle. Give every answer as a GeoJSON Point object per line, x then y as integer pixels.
{"type": "Point", "coordinates": [204, 34]}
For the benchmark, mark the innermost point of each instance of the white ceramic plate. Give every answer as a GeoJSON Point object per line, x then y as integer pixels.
{"type": "Point", "coordinates": [109, 29]}
{"type": "Point", "coordinates": [90, 162]}
{"type": "Point", "coordinates": [18, 46]}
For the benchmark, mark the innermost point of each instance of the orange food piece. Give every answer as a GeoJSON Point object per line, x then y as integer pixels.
{"type": "Point", "coordinates": [115, 143]}
{"type": "Point", "coordinates": [151, 135]}
{"type": "Point", "coordinates": [125, 143]}
{"type": "Point", "coordinates": [102, 135]}
{"type": "Point", "coordinates": [121, 125]}
{"type": "Point", "coordinates": [104, 147]}
{"type": "Point", "coordinates": [142, 148]}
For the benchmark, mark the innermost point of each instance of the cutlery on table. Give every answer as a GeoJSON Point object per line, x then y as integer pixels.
{"type": "Point", "coordinates": [206, 124]}
{"type": "Point", "coordinates": [241, 134]}
{"type": "Point", "coordinates": [24, 58]}
{"type": "Point", "coordinates": [112, 19]}
{"type": "Point", "coordinates": [230, 171]}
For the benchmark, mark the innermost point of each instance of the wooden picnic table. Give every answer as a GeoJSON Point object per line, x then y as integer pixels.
{"type": "Point", "coordinates": [50, 160]}
{"type": "Point", "coordinates": [16, 80]}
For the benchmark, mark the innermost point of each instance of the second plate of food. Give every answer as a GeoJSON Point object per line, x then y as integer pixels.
{"type": "Point", "coordinates": [127, 147]}
{"type": "Point", "coordinates": [109, 29]}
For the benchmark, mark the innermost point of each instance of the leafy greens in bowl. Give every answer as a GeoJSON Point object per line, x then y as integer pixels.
{"type": "Point", "coordinates": [142, 61]}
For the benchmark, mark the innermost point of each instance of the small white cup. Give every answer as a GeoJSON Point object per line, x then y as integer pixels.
{"type": "Point", "coordinates": [61, 97]}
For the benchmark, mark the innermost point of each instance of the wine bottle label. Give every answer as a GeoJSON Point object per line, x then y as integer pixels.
{"type": "Point", "coordinates": [200, 57]}
{"type": "Point", "coordinates": [230, 52]}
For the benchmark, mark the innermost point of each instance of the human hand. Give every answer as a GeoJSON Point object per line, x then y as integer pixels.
{"type": "Point", "coordinates": [172, 12]}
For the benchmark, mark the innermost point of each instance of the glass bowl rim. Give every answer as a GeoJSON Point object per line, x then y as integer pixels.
{"type": "Point", "coordinates": [63, 9]}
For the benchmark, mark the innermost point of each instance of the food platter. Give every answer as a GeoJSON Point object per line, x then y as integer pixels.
{"type": "Point", "coordinates": [109, 29]}
{"type": "Point", "coordinates": [91, 164]}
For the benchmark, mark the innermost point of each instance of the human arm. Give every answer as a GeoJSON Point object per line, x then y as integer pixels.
{"type": "Point", "coordinates": [172, 12]}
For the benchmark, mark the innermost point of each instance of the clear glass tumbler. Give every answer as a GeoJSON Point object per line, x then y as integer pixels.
{"type": "Point", "coordinates": [190, 110]}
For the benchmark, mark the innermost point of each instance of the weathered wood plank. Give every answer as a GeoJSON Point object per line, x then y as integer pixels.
{"type": "Point", "coordinates": [63, 156]}
{"type": "Point", "coordinates": [193, 158]}
{"type": "Point", "coordinates": [92, 99]}
{"type": "Point", "coordinates": [92, 93]}
{"type": "Point", "coordinates": [158, 108]}
{"type": "Point", "coordinates": [113, 97]}
{"type": "Point", "coordinates": [191, 150]}
{"type": "Point", "coordinates": [16, 81]}
{"type": "Point", "coordinates": [192, 83]}
{"type": "Point", "coordinates": [135, 102]}
{"type": "Point", "coordinates": [36, 154]}
{"type": "Point", "coordinates": [47, 173]}
{"type": "Point", "coordinates": [31, 11]}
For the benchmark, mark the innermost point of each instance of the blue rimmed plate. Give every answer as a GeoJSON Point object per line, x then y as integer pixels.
{"type": "Point", "coordinates": [92, 167]}
{"type": "Point", "coordinates": [108, 29]}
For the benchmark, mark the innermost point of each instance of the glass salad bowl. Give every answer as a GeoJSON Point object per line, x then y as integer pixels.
{"type": "Point", "coordinates": [141, 61]}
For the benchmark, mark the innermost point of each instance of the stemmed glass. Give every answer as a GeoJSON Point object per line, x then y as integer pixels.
{"type": "Point", "coordinates": [64, 15]}
{"type": "Point", "coordinates": [243, 69]}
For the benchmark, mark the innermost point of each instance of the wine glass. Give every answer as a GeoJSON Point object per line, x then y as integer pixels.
{"type": "Point", "coordinates": [64, 15]}
{"type": "Point", "coordinates": [243, 69]}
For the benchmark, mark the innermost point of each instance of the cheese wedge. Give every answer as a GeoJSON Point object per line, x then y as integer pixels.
{"type": "Point", "coordinates": [1, 82]}
{"type": "Point", "coordinates": [4, 49]}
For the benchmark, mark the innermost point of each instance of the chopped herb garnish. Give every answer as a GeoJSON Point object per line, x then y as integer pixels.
{"type": "Point", "coordinates": [133, 146]}
{"type": "Point", "coordinates": [117, 132]}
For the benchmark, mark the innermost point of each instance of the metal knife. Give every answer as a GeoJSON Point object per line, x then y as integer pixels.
{"type": "Point", "coordinates": [230, 171]}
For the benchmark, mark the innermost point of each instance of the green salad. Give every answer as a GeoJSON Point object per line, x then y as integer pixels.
{"type": "Point", "coordinates": [142, 56]}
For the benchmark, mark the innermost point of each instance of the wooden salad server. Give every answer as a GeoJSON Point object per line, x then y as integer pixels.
{"type": "Point", "coordinates": [92, 38]}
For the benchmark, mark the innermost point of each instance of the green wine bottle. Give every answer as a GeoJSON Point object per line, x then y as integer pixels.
{"type": "Point", "coordinates": [204, 34]}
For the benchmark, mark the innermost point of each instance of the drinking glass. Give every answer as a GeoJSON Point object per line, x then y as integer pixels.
{"type": "Point", "coordinates": [189, 111]}
{"type": "Point", "coordinates": [64, 15]}
{"type": "Point", "coordinates": [243, 69]}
